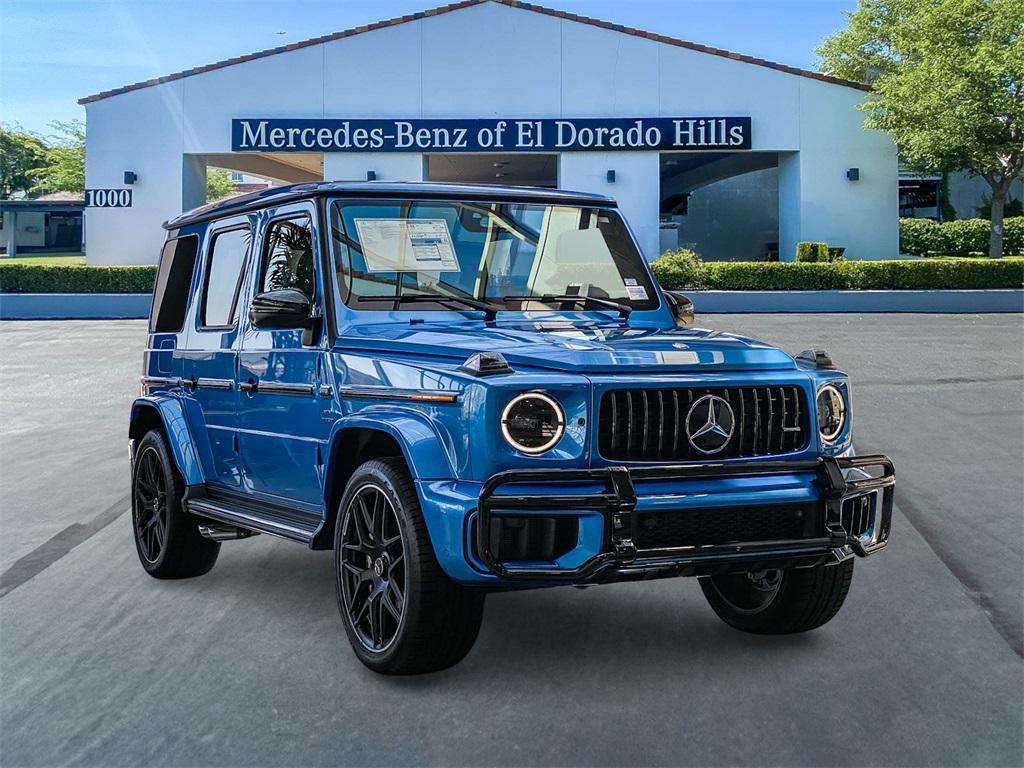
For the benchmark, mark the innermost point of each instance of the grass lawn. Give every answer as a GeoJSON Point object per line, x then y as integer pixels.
{"type": "Point", "coordinates": [54, 259]}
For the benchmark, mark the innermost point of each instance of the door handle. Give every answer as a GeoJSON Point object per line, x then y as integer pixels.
{"type": "Point", "coordinates": [247, 386]}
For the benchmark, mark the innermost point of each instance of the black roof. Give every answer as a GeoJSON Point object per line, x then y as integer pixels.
{"type": "Point", "coordinates": [39, 206]}
{"type": "Point", "coordinates": [406, 190]}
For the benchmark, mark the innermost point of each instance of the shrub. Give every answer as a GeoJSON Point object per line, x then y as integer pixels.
{"type": "Point", "coordinates": [42, 278]}
{"type": "Point", "coordinates": [774, 276]}
{"type": "Point", "coordinates": [1013, 236]}
{"type": "Point", "coordinates": [812, 252]}
{"type": "Point", "coordinates": [679, 269]}
{"type": "Point", "coordinates": [964, 237]}
{"type": "Point", "coordinates": [935, 274]}
{"type": "Point", "coordinates": [918, 237]}
{"type": "Point", "coordinates": [853, 275]}
{"type": "Point", "coordinates": [675, 270]}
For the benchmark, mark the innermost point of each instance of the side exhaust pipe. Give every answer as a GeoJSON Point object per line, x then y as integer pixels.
{"type": "Point", "coordinates": [221, 532]}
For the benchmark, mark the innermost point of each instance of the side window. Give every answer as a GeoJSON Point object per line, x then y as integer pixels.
{"type": "Point", "coordinates": [173, 282]}
{"type": "Point", "coordinates": [288, 256]}
{"type": "Point", "coordinates": [223, 277]}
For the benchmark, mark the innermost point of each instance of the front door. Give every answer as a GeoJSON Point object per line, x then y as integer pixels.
{"type": "Point", "coordinates": [282, 434]}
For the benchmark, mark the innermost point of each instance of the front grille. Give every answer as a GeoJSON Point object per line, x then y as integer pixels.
{"type": "Point", "coordinates": [699, 527]}
{"type": "Point", "coordinates": [650, 424]}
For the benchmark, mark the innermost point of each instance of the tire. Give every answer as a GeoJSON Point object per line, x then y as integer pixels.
{"type": "Point", "coordinates": [779, 602]}
{"type": "Point", "coordinates": [402, 614]}
{"type": "Point", "coordinates": [167, 538]}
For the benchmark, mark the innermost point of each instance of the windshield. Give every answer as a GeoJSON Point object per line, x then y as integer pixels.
{"type": "Point", "coordinates": [505, 255]}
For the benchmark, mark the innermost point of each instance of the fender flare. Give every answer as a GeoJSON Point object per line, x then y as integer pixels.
{"type": "Point", "coordinates": [171, 413]}
{"type": "Point", "coordinates": [426, 451]}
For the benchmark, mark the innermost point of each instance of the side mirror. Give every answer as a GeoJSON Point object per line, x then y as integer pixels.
{"type": "Point", "coordinates": [287, 308]}
{"type": "Point", "coordinates": [681, 307]}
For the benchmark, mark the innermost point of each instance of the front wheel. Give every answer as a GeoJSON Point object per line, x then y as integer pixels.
{"type": "Point", "coordinates": [402, 613]}
{"type": "Point", "coordinates": [779, 602]}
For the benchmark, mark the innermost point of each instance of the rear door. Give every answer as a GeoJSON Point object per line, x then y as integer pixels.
{"type": "Point", "coordinates": [210, 361]}
{"type": "Point", "coordinates": [281, 432]}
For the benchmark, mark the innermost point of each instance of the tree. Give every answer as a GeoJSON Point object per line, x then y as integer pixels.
{"type": "Point", "coordinates": [948, 79]}
{"type": "Point", "coordinates": [218, 184]}
{"type": "Point", "coordinates": [21, 154]}
{"type": "Point", "coordinates": [63, 167]}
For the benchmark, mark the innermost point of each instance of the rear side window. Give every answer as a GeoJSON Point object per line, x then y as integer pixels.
{"type": "Point", "coordinates": [173, 281]}
{"type": "Point", "coordinates": [223, 277]}
{"type": "Point", "coordinates": [288, 256]}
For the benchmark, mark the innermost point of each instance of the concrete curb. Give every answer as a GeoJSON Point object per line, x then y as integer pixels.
{"type": "Point", "coordinates": [74, 306]}
{"type": "Point", "coordinates": [952, 302]}
{"type": "Point", "coordinates": [116, 306]}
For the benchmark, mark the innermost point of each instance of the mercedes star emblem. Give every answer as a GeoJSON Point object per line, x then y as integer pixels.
{"type": "Point", "coordinates": [710, 423]}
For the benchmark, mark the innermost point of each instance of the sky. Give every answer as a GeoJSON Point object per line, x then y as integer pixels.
{"type": "Point", "coordinates": [53, 52]}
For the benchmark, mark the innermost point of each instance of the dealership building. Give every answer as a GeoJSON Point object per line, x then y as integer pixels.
{"type": "Point", "coordinates": [734, 156]}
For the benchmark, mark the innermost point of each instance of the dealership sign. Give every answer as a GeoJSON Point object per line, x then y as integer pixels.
{"type": "Point", "coordinates": [497, 135]}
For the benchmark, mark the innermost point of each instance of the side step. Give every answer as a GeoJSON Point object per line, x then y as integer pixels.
{"type": "Point", "coordinates": [272, 522]}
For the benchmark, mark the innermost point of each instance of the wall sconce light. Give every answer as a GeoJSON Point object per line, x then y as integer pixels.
{"type": "Point", "coordinates": [610, 177]}
{"type": "Point", "coordinates": [371, 175]}
{"type": "Point", "coordinates": [130, 177]}
{"type": "Point", "coordinates": [853, 174]}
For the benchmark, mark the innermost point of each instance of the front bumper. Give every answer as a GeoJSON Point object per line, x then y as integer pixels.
{"type": "Point", "coordinates": [846, 493]}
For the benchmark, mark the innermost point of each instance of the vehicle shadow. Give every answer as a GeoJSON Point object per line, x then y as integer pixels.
{"type": "Point", "coordinates": [529, 637]}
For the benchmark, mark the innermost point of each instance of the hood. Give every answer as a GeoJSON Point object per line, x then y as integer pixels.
{"type": "Point", "coordinates": [574, 348]}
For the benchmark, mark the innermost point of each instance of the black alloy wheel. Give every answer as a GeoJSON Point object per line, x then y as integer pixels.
{"type": "Point", "coordinates": [750, 592]}
{"type": "Point", "coordinates": [779, 602]}
{"type": "Point", "coordinates": [149, 512]}
{"type": "Point", "coordinates": [373, 568]}
{"type": "Point", "coordinates": [402, 613]}
{"type": "Point", "coordinates": [167, 538]}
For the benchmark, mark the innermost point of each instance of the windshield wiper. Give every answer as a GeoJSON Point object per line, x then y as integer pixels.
{"type": "Point", "coordinates": [489, 310]}
{"type": "Point", "coordinates": [622, 309]}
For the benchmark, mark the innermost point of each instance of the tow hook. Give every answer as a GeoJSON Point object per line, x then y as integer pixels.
{"type": "Point", "coordinates": [625, 551]}
{"type": "Point", "coordinates": [838, 537]}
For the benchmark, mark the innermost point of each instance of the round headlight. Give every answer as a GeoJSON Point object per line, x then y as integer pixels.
{"type": "Point", "coordinates": [532, 422]}
{"type": "Point", "coordinates": [831, 412]}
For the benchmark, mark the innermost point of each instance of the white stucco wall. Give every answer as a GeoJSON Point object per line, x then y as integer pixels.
{"type": "Point", "coordinates": [30, 228]}
{"type": "Point", "coordinates": [491, 60]}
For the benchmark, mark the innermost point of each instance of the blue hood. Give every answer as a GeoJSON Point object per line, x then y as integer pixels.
{"type": "Point", "coordinates": [566, 347]}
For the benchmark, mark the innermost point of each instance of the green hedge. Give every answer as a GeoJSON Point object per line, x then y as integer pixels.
{"type": "Point", "coordinates": [963, 237]}
{"type": "Point", "coordinates": [680, 273]}
{"type": "Point", "coordinates": [42, 278]}
{"type": "Point", "coordinates": [677, 270]}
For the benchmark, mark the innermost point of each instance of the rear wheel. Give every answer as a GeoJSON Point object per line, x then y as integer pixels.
{"type": "Point", "coordinates": [402, 614]}
{"type": "Point", "coordinates": [779, 602]}
{"type": "Point", "coordinates": [167, 538]}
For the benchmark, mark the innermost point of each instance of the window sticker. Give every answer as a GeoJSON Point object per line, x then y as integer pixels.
{"type": "Point", "coordinates": [636, 292]}
{"type": "Point", "coordinates": [407, 245]}
{"type": "Point", "coordinates": [630, 281]}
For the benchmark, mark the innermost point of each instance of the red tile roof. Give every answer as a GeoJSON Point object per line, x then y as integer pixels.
{"type": "Point", "coordinates": [466, 4]}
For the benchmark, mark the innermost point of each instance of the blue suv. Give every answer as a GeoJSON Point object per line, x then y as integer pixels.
{"type": "Point", "coordinates": [462, 389]}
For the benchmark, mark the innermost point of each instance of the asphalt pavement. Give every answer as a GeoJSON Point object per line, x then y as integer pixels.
{"type": "Point", "coordinates": [101, 665]}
